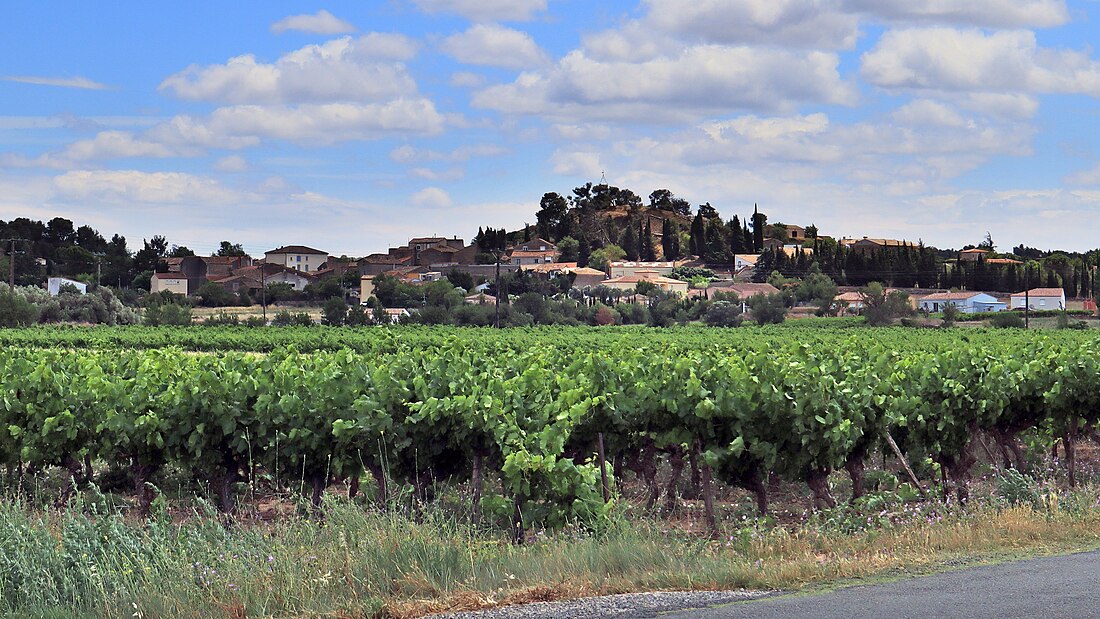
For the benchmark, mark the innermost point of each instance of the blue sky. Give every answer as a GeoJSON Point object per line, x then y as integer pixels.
{"type": "Point", "coordinates": [352, 126]}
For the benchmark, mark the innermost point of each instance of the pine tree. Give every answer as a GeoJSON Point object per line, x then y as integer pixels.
{"type": "Point", "coordinates": [698, 235]}
{"type": "Point", "coordinates": [649, 252]}
{"type": "Point", "coordinates": [670, 240]}
{"type": "Point", "coordinates": [759, 221]}
{"type": "Point", "coordinates": [630, 242]}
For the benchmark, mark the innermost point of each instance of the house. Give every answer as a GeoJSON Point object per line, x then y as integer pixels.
{"type": "Point", "coordinates": [1002, 261]}
{"type": "Point", "coordinates": [586, 276]}
{"type": "Point", "coordinates": [1040, 299]}
{"type": "Point", "coordinates": [773, 245]}
{"type": "Point", "coordinates": [297, 257]}
{"type": "Point", "coordinates": [535, 251]}
{"type": "Point", "coordinates": [375, 264]}
{"type": "Point", "coordinates": [623, 268]}
{"type": "Point", "coordinates": [53, 285]}
{"type": "Point", "coordinates": [744, 261]}
{"type": "Point", "coordinates": [967, 302]}
{"type": "Point", "coordinates": [239, 283]}
{"type": "Point", "coordinates": [851, 302]}
{"type": "Point", "coordinates": [480, 298]}
{"type": "Point", "coordinates": [630, 282]}
{"type": "Point", "coordinates": [172, 282]}
{"type": "Point", "coordinates": [867, 245]}
{"type": "Point", "coordinates": [972, 255]}
{"type": "Point", "coordinates": [267, 273]}
{"type": "Point", "coordinates": [745, 290]}
{"type": "Point", "coordinates": [396, 314]}
{"type": "Point", "coordinates": [794, 233]}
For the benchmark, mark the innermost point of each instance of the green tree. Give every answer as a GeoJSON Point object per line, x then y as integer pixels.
{"type": "Point", "coordinates": [334, 312]}
{"type": "Point", "coordinates": [227, 249]}
{"type": "Point", "coordinates": [602, 258]}
{"type": "Point", "coordinates": [768, 308]}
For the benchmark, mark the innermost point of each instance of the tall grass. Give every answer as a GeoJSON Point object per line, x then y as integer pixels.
{"type": "Point", "coordinates": [90, 561]}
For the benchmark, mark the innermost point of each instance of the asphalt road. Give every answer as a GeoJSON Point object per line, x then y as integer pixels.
{"type": "Point", "coordinates": [1052, 588]}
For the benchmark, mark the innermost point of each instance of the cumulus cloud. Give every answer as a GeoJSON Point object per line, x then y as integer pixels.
{"type": "Point", "coordinates": [410, 154]}
{"type": "Point", "coordinates": [132, 186]}
{"type": "Point", "coordinates": [82, 83]}
{"type": "Point", "coordinates": [973, 60]}
{"type": "Point", "coordinates": [466, 79]}
{"type": "Point", "coordinates": [321, 22]}
{"type": "Point", "coordinates": [494, 45]}
{"type": "Point", "coordinates": [232, 163]}
{"type": "Point", "coordinates": [344, 69]}
{"type": "Point", "coordinates": [585, 164]}
{"type": "Point", "coordinates": [1088, 177]}
{"type": "Point", "coordinates": [986, 13]}
{"type": "Point", "coordinates": [326, 123]}
{"type": "Point", "coordinates": [698, 80]}
{"type": "Point", "coordinates": [817, 24]}
{"type": "Point", "coordinates": [485, 10]}
{"type": "Point", "coordinates": [432, 197]}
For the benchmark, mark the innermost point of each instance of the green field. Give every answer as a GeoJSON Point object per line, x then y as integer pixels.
{"type": "Point", "coordinates": [488, 436]}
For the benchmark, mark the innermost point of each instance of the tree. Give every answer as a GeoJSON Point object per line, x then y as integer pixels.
{"type": "Point", "coordinates": [630, 242]}
{"type": "Point", "coordinates": [602, 258]}
{"type": "Point", "coordinates": [15, 311]}
{"type": "Point", "coordinates": [334, 312]}
{"type": "Point", "coordinates": [698, 235]}
{"type": "Point", "coordinates": [180, 251]}
{"type": "Point", "coordinates": [648, 252]}
{"type": "Point", "coordinates": [759, 222]}
{"type": "Point", "coordinates": [881, 308]}
{"type": "Point", "coordinates": [664, 200]}
{"type": "Point", "coordinates": [817, 288]}
{"type": "Point", "coordinates": [227, 249]}
{"type": "Point", "coordinates": [149, 257]}
{"type": "Point", "coordinates": [553, 217]}
{"type": "Point", "coordinates": [723, 314]}
{"type": "Point", "coordinates": [768, 308]}
{"type": "Point", "coordinates": [568, 246]}
{"type": "Point", "coordinates": [215, 295]}
{"type": "Point", "coordinates": [670, 240]}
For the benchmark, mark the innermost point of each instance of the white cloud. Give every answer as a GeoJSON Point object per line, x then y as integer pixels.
{"type": "Point", "coordinates": [82, 83]}
{"type": "Point", "coordinates": [408, 154]}
{"type": "Point", "coordinates": [232, 163]}
{"type": "Point", "coordinates": [344, 69]}
{"type": "Point", "coordinates": [327, 123]}
{"type": "Point", "coordinates": [132, 186]}
{"type": "Point", "coordinates": [1089, 177]}
{"type": "Point", "coordinates": [988, 13]}
{"type": "Point", "coordinates": [927, 112]}
{"type": "Point", "coordinates": [948, 59]}
{"type": "Point", "coordinates": [584, 164]}
{"type": "Point", "coordinates": [432, 197]}
{"type": "Point", "coordinates": [466, 79]}
{"type": "Point", "coordinates": [485, 10]}
{"type": "Point", "coordinates": [792, 23]}
{"type": "Point", "coordinates": [699, 80]}
{"type": "Point", "coordinates": [321, 22]}
{"type": "Point", "coordinates": [114, 145]}
{"type": "Point", "coordinates": [494, 45]}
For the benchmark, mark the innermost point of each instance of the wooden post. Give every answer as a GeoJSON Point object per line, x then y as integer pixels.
{"type": "Point", "coordinates": [904, 463]}
{"type": "Point", "coordinates": [603, 467]}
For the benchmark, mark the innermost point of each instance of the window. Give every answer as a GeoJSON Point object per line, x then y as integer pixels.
{"type": "Point", "coordinates": [299, 258]}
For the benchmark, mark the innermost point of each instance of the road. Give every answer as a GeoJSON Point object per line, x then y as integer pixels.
{"type": "Point", "coordinates": [1052, 588]}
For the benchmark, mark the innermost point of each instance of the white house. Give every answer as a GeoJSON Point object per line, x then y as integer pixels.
{"type": "Point", "coordinates": [965, 302]}
{"type": "Point", "coordinates": [54, 284]}
{"type": "Point", "coordinates": [297, 257]}
{"type": "Point", "coordinates": [1040, 299]}
{"type": "Point", "coordinates": [624, 268]}
{"type": "Point", "coordinates": [172, 282]}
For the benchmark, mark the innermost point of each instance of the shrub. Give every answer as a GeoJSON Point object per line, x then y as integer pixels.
{"type": "Point", "coordinates": [950, 314]}
{"type": "Point", "coordinates": [723, 314]}
{"type": "Point", "coordinates": [1007, 320]}
{"type": "Point", "coordinates": [603, 316]}
{"type": "Point", "coordinates": [768, 309]}
{"type": "Point", "coordinates": [334, 312]}
{"type": "Point", "coordinates": [167, 314]}
{"type": "Point", "coordinates": [286, 319]}
{"type": "Point", "coordinates": [15, 311]}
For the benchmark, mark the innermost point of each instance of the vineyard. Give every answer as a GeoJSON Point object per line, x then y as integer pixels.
{"type": "Point", "coordinates": [536, 424]}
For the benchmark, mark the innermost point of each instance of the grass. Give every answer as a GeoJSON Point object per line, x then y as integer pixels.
{"type": "Point", "coordinates": [91, 560]}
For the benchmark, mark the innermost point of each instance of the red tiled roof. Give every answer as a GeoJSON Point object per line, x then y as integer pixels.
{"type": "Point", "coordinates": [1042, 292]}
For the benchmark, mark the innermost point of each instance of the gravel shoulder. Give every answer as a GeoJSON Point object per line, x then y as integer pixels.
{"type": "Point", "coordinates": [623, 606]}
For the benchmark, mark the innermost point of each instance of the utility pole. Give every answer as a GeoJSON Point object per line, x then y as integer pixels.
{"type": "Point", "coordinates": [496, 320]}
{"type": "Point", "coordinates": [263, 290]}
{"type": "Point", "coordinates": [11, 260]}
{"type": "Point", "coordinates": [1027, 297]}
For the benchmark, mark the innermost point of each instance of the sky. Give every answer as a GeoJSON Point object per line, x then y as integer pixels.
{"type": "Point", "coordinates": [354, 126]}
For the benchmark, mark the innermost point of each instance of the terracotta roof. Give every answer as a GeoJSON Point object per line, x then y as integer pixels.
{"type": "Point", "coordinates": [750, 258]}
{"type": "Point", "coordinates": [1002, 261]}
{"type": "Point", "coordinates": [296, 249]}
{"type": "Point", "coordinates": [546, 267]}
{"type": "Point", "coordinates": [1042, 292]}
{"type": "Point", "coordinates": [427, 239]}
{"type": "Point", "coordinates": [649, 265]}
{"type": "Point", "coordinates": [882, 242]}
{"type": "Point", "coordinates": [636, 278]}
{"type": "Point", "coordinates": [175, 275]}
{"type": "Point", "coordinates": [586, 271]}
{"type": "Point", "coordinates": [950, 296]}
{"type": "Point", "coordinates": [747, 289]}
{"type": "Point", "coordinates": [974, 250]}
{"type": "Point", "coordinates": [849, 297]}
{"type": "Point", "coordinates": [531, 254]}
